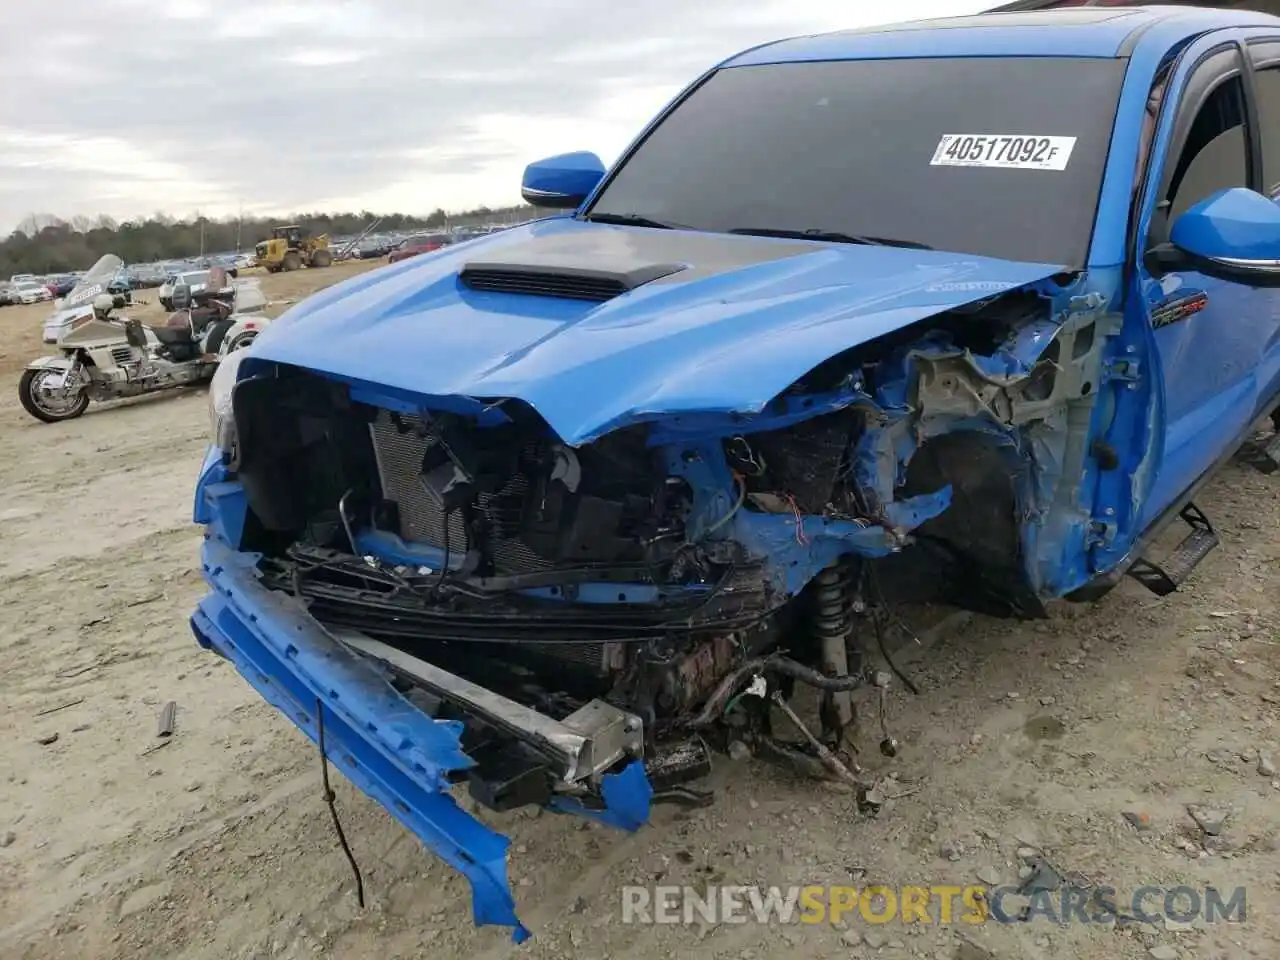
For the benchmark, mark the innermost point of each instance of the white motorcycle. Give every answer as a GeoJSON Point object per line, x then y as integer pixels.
{"type": "Point", "coordinates": [101, 357]}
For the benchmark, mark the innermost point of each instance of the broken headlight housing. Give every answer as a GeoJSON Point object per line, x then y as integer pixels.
{"type": "Point", "coordinates": [221, 422]}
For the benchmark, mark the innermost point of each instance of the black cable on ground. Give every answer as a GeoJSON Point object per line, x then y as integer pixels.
{"type": "Point", "coordinates": [881, 604]}
{"type": "Point", "coordinates": [329, 798]}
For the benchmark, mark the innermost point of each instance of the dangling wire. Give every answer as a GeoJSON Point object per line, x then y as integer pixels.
{"type": "Point", "coordinates": [742, 496]}
{"type": "Point", "coordinates": [882, 609]}
{"type": "Point", "coordinates": [801, 537]}
{"type": "Point", "coordinates": [444, 566]}
{"type": "Point", "coordinates": [329, 798]}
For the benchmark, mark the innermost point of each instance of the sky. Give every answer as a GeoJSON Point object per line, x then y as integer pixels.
{"type": "Point", "coordinates": [132, 107]}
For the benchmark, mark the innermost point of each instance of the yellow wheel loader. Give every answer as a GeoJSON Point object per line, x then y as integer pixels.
{"type": "Point", "coordinates": [290, 248]}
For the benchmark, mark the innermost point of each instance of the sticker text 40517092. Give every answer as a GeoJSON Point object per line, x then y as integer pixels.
{"type": "Point", "coordinates": [1008, 151]}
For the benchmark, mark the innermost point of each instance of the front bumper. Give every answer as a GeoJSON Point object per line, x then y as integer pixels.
{"type": "Point", "coordinates": [384, 744]}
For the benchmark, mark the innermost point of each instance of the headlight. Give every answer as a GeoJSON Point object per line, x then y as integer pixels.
{"type": "Point", "coordinates": [224, 379]}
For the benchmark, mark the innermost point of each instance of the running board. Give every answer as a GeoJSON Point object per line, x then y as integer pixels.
{"type": "Point", "coordinates": [1165, 578]}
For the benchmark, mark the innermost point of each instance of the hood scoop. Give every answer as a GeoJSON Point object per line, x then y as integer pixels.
{"type": "Point", "coordinates": [563, 281]}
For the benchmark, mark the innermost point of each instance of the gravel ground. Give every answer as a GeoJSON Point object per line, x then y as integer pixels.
{"type": "Point", "coordinates": [1086, 737]}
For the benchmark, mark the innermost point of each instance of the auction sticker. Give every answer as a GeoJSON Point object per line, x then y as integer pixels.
{"type": "Point", "coordinates": [1009, 152]}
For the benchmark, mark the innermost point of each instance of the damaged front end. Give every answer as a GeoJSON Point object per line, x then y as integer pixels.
{"type": "Point", "coordinates": [461, 595]}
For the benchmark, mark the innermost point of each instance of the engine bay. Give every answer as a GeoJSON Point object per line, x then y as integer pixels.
{"type": "Point", "coordinates": [645, 571]}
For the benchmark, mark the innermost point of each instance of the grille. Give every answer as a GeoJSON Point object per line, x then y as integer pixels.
{"type": "Point", "coordinates": [121, 355]}
{"type": "Point", "coordinates": [544, 284]}
{"type": "Point", "coordinates": [399, 453]}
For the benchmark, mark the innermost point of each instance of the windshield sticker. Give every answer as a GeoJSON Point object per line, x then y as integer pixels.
{"type": "Point", "coordinates": [1012, 152]}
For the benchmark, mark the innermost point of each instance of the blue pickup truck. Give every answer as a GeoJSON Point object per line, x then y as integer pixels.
{"type": "Point", "coordinates": [975, 305]}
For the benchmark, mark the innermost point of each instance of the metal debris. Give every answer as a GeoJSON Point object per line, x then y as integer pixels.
{"type": "Point", "coordinates": [1208, 819]}
{"type": "Point", "coordinates": [62, 706]}
{"type": "Point", "coordinates": [829, 759]}
{"type": "Point", "coordinates": [168, 719]}
{"type": "Point", "coordinates": [1044, 876]}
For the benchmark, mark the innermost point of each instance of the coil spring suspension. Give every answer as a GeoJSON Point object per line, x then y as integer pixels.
{"type": "Point", "coordinates": [831, 588]}
{"type": "Point", "coordinates": [831, 625]}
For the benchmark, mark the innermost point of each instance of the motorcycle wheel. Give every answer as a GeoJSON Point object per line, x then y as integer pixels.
{"type": "Point", "coordinates": [48, 411]}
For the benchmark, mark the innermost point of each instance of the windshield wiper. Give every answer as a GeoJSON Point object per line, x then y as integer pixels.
{"type": "Point", "coordinates": [829, 236]}
{"type": "Point", "coordinates": [634, 220]}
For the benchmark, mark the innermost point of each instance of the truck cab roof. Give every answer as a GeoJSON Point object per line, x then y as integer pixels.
{"type": "Point", "coordinates": [1070, 31]}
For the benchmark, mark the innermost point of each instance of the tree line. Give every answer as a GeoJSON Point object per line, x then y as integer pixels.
{"type": "Point", "coordinates": [44, 244]}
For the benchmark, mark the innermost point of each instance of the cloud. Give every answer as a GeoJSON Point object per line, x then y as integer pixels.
{"type": "Point", "coordinates": [127, 107]}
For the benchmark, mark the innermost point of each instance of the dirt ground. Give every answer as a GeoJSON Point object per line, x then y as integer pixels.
{"type": "Point", "coordinates": [218, 845]}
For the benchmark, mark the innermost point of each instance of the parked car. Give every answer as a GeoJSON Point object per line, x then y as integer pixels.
{"type": "Point", "coordinates": [931, 312]}
{"type": "Point", "coordinates": [197, 280]}
{"type": "Point", "coordinates": [8, 295]}
{"type": "Point", "coordinates": [146, 275]}
{"type": "Point", "coordinates": [22, 277]}
{"type": "Point", "coordinates": [419, 243]}
{"type": "Point", "coordinates": [60, 285]}
{"type": "Point", "coordinates": [31, 291]}
{"type": "Point", "coordinates": [371, 249]}
{"type": "Point", "coordinates": [226, 261]}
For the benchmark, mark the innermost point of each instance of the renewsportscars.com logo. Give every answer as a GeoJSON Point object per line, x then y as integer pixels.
{"type": "Point", "coordinates": [934, 904]}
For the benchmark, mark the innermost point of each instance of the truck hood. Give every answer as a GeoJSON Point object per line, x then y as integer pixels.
{"type": "Point", "coordinates": [704, 322]}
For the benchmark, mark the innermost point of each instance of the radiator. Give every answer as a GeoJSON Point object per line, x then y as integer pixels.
{"type": "Point", "coordinates": [399, 455]}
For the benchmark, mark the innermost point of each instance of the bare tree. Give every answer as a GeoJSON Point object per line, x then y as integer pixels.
{"type": "Point", "coordinates": [33, 223]}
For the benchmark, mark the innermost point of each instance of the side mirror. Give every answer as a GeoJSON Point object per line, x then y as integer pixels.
{"type": "Point", "coordinates": [181, 296]}
{"type": "Point", "coordinates": [1233, 235]}
{"type": "Point", "coordinates": [561, 182]}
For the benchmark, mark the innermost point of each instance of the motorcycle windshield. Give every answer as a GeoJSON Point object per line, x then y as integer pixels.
{"type": "Point", "coordinates": [94, 282]}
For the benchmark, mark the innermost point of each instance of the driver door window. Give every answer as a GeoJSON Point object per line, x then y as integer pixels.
{"type": "Point", "coordinates": [1215, 155]}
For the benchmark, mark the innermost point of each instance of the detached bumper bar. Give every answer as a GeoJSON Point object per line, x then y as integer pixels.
{"type": "Point", "coordinates": [384, 744]}
{"type": "Point", "coordinates": [585, 743]}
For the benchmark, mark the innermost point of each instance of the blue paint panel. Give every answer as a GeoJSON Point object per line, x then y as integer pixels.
{"type": "Point", "coordinates": [723, 344]}
{"type": "Point", "coordinates": [627, 795]}
{"type": "Point", "coordinates": [211, 472]}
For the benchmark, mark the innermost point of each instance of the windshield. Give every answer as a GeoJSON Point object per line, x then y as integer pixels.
{"type": "Point", "coordinates": [94, 281]}
{"type": "Point", "coordinates": [995, 156]}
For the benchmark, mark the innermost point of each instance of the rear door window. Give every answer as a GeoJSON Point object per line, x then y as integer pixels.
{"type": "Point", "coordinates": [1268, 86]}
